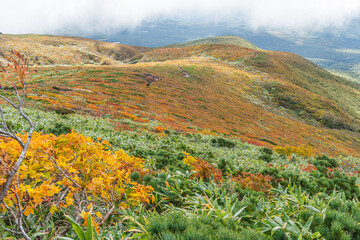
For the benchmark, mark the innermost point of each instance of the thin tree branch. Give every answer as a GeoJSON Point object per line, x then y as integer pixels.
{"type": "Point", "coordinates": [6, 126]}
{"type": "Point", "coordinates": [23, 91]}
{"type": "Point", "coordinates": [10, 102]}
{"type": "Point", "coordinates": [63, 194]}
{"type": "Point", "coordinates": [9, 230]}
{"type": "Point", "coordinates": [111, 211]}
{"type": "Point", "coordinates": [63, 173]}
{"type": "Point", "coordinates": [4, 134]}
{"type": "Point", "coordinates": [17, 95]}
{"type": "Point", "coordinates": [9, 209]}
{"type": "Point", "coordinates": [16, 167]}
{"type": "Point", "coordinates": [20, 68]}
{"type": "Point", "coordinates": [20, 218]}
{"type": "Point", "coordinates": [32, 125]}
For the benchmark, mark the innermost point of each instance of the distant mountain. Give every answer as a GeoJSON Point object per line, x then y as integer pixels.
{"type": "Point", "coordinates": [334, 49]}
{"type": "Point", "coordinates": [230, 40]}
{"type": "Point", "coordinates": [268, 98]}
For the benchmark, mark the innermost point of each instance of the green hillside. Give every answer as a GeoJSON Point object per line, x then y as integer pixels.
{"type": "Point", "coordinates": [230, 40]}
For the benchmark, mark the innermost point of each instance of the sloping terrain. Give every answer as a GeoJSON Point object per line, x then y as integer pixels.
{"type": "Point", "coordinates": [266, 98]}
{"type": "Point", "coordinates": [211, 141]}
{"type": "Point", "coordinates": [286, 79]}
{"type": "Point", "coordinates": [57, 50]}
{"type": "Point", "coordinates": [230, 40]}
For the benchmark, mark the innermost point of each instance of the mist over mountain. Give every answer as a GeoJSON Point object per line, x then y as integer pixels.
{"type": "Point", "coordinates": [326, 32]}
{"type": "Point", "coordinates": [332, 48]}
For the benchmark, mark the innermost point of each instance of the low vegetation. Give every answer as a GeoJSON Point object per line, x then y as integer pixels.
{"type": "Point", "coordinates": [105, 163]}
{"type": "Point", "coordinates": [176, 185]}
{"type": "Point", "coordinates": [230, 40]}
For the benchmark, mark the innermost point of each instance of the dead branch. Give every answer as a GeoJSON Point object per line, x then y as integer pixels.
{"type": "Point", "coordinates": [18, 64]}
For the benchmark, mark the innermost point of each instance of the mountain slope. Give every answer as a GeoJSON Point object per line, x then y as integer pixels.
{"type": "Point", "coordinates": [230, 40]}
{"type": "Point", "coordinates": [266, 98]}
{"type": "Point", "coordinates": [57, 50]}
{"type": "Point", "coordinates": [295, 80]}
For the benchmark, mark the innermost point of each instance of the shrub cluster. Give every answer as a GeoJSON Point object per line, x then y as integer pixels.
{"type": "Point", "coordinates": [177, 226]}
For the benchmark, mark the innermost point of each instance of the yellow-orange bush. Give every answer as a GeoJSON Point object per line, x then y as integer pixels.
{"type": "Point", "coordinates": [159, 129]}
{"type": "Point", "coordinates": [254, 181]}
{"type": "Point", "coordinates": [302, 151]}
{"type": "Point", "coordinates": [203, 169]}
{"type": "Point", "coordinates": [60, 170]}
{"type": "Point", "coordinates": [189, 160]}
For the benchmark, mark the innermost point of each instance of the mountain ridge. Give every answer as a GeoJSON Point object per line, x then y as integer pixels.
{"type": "Point", "coordinates": [229, 40]}
{"type": "Point", "coordinates": [66, 50]}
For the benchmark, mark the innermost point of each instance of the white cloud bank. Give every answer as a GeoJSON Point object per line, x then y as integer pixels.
{"type": "Point", "coordinates": [49, 16]}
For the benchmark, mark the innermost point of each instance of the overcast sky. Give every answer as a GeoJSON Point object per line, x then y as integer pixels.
{"type": "Point", "coordinates": [50, 16]}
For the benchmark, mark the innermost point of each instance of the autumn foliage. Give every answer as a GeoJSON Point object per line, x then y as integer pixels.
{"type": "Point", "coordinates": [61, 171]}
{"type": "Point", "coordinates": [303, 151]}
{"type": "Point", "coordinates": [203, 169]}
{"type": "Point", "coordinates": [254, 181]}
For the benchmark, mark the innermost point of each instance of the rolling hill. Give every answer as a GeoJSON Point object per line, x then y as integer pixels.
{"type": "Point", "coordinates": [263, 97]}
{"type": "Point", "coordinates": [230, 40]}
{"type": "Point", "coordinates": [333, 48]}
{"type": "Point", "coordinates": [59, 50]}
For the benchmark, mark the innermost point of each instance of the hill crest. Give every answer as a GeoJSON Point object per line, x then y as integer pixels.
{"type": "Point", "coordinates": [64, 50]}
{"type": "Point", "coordinates": [228, 40]}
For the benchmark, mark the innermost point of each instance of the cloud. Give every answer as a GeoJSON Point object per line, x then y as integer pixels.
{"type": "Point", "coordinates": [50, 16]}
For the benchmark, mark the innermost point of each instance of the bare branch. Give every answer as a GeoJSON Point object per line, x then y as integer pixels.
{"type": "Point", "coordinates": [20, 218]}
{"type": "Point", "coordinates": [7, 134]}
{"type": "Point", "coordinates": [19, 66]}
{"type": "Point", "coordinates": [9, 230]}
{"type": "Point", "coordinates": [32, 125]}
{"type": "Point", "coordinates": [23, 91]}
{"type": "Point", "coordinates": [5, 125]}
{"type": "Point", "coordinates": [17, 95]}
{"type": "Point", "coordinates": [10, 102]}
{"type": "Point", "coordinates": [62, 171]}
{"type": "Point", "coordinates": [16, 166]}
{"type": "Point", "coordinates": [9, 209]}
{"type": "Point", "coordinates": [4, 134]}
{"type": "Point", "coordinates": [111, 211]}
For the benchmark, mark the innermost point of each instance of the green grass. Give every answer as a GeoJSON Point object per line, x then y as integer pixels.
{"type": "Point", "coordinates": [187, 208]}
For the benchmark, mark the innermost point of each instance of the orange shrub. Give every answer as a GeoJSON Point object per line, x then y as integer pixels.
{"type": "Point", "coordinates": [203, 169]}
{"type": "Point", "coordinates": [308, 168]}
{"type": "Point", "coordinates": [159, 129]}
{"type": "Point", "coordinates": [129, 115]}
{"type": "Point", "coordinates": [61, 170]}
{"type": "Point", "coordinates": [254, 181]}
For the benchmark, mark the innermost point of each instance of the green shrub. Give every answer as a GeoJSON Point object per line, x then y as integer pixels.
{"type": "Point", "coordinates": [148, 178]}
{"type": "Point", "coordinates": [225, 166]}
{"type": "Point", "coordinates": [176, 225]}
{"type": "Point", "coordinates": [323, 162]}
{"type": "Point", "coordinates": [135, 176]}
{"type": "Point", "coordinates": [265, 157]}
{"type": "Point", "coordinates": [59, 129]}
{"type": "Point", "coordinates": [266, 151]}
{"type": "Point", "coordinates": [163, 158]}
{"type": "Point", "coordinates": [64, 111]}
{"type": "Point", "coordinates": [222, 142]}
